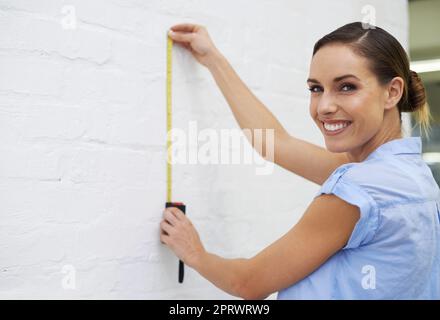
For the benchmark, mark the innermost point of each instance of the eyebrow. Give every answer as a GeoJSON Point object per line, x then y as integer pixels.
{"type": "Point", "coordinates": [337, 79]}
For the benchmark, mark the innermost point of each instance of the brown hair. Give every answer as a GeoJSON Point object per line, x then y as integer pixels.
{"type": "Point", "coordinates": [387, 59]}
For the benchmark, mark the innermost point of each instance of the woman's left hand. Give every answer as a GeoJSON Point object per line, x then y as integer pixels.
{"type": "Point", "coordinates": [179, 234]}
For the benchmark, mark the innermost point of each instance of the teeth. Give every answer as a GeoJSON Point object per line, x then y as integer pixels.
{"type": "Point", "coordinates": [334, 127]}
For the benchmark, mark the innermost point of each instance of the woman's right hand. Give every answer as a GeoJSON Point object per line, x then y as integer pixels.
{"type": "Point", "coordinates": [196, 39]}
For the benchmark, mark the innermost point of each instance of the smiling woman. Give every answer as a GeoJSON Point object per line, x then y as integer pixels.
{"type": "Point", "coordinates": [366, 101]}
{"type": "Point", "coordinates": [373, 229]}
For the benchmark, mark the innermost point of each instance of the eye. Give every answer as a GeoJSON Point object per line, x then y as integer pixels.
{"type": "Point", "coordinates": [315, 89]}
{"type": "Point", "coordinates": [348, 87]}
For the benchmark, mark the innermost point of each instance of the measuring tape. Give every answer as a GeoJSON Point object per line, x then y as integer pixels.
{"type": "Point", "coordinates": [169, 203]}
{"type": "Point", "coordinates": [169, 115]}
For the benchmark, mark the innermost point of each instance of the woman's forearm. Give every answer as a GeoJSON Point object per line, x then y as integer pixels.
{"type": "Point", "coordinates": [249, 112]}
{"type": "Point", "coordinates": [227, 274]}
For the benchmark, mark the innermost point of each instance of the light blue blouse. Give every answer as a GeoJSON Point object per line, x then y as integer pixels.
{"type": "Point", "coordinates": [394, 249]}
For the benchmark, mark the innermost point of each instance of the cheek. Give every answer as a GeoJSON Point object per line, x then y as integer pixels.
{"type": "Point", "coordinates": [362, 107]}
{"type": "Point", "coordinates": [358, 102]}
{"type": "Point", "coordinates": [366, 114]}
{"type": "Point", "coordinates": [371, 108]}
{"type": "Point", "coordinates": [313, 111]}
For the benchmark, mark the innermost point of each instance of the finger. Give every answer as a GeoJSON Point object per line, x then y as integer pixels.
{"type": "Point", "coordinates": [164, 238]}
{"type": "Point", "coordinates": [181, 36]}
{"type": "Point", "coordinates": [186, 45]}
{"type": "Point", "coordinates": [177, 213]}
{"type": "Point", "coordinates": [188, 27]}
{"type": "Point", "coordinates": [165, 226]}
{"type": "Point", "coordinates": [170, 217]}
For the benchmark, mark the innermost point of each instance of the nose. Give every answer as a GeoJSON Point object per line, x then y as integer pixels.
{"type": "Point", "coordinates": [326, 104]}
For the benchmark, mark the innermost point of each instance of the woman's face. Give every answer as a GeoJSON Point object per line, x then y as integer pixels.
{"type": "Point", "coordinates": [347, 102]}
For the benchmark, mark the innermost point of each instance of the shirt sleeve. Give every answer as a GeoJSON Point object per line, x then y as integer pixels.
{"type": "Point", "coordinates": [355, 194]}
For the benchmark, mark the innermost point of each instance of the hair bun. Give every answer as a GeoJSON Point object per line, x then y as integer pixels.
{"type": "Point", "coordinates": [416, 93]}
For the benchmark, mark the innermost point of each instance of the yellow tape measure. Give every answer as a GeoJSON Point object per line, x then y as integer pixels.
{"type": "Point", "coordinates": [169, 115]}
{"type": "Point", "coordinates": [169, 203]}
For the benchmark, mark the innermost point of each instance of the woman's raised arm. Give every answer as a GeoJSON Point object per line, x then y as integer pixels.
{"type": "Point", "coordinates": [305, 159]}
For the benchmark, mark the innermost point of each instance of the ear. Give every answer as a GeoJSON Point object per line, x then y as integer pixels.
{"type": "Point", "coordinates": [394, 92]}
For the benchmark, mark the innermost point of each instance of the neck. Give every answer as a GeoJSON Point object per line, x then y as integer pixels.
{"type": "Point", "coordinates": [390, 130]}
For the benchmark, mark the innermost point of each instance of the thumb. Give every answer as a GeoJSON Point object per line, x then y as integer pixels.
{"type": "Point", "coordinates": [185, 37]}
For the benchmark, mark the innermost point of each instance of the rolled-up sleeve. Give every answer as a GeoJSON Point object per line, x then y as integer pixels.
{"type": "Point", "coordinates": [355, 194]}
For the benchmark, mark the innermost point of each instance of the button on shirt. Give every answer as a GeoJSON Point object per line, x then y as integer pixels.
{"type": "Point", "coordinates": [394, 249]}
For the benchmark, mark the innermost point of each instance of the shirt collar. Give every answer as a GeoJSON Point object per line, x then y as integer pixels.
{"type": "Point", "coordinates": [408, 145]}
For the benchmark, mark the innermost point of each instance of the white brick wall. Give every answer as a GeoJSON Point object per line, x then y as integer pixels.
{"type": "Point", "coordinates": [82, 137]}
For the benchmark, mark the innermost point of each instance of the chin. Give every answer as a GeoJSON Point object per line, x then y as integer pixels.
{"type": "Point", "coordinates": [335, 147]}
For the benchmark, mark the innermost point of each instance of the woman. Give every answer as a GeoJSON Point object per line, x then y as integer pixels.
{"type": "Point", "coordinates": [372, 230]}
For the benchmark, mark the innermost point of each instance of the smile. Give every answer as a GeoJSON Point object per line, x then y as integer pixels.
{"type": "Point", "coordinates": [335, 128]}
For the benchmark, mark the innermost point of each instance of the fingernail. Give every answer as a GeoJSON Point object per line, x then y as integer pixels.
{"type": "Point", "coordinates": [171, 32]}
